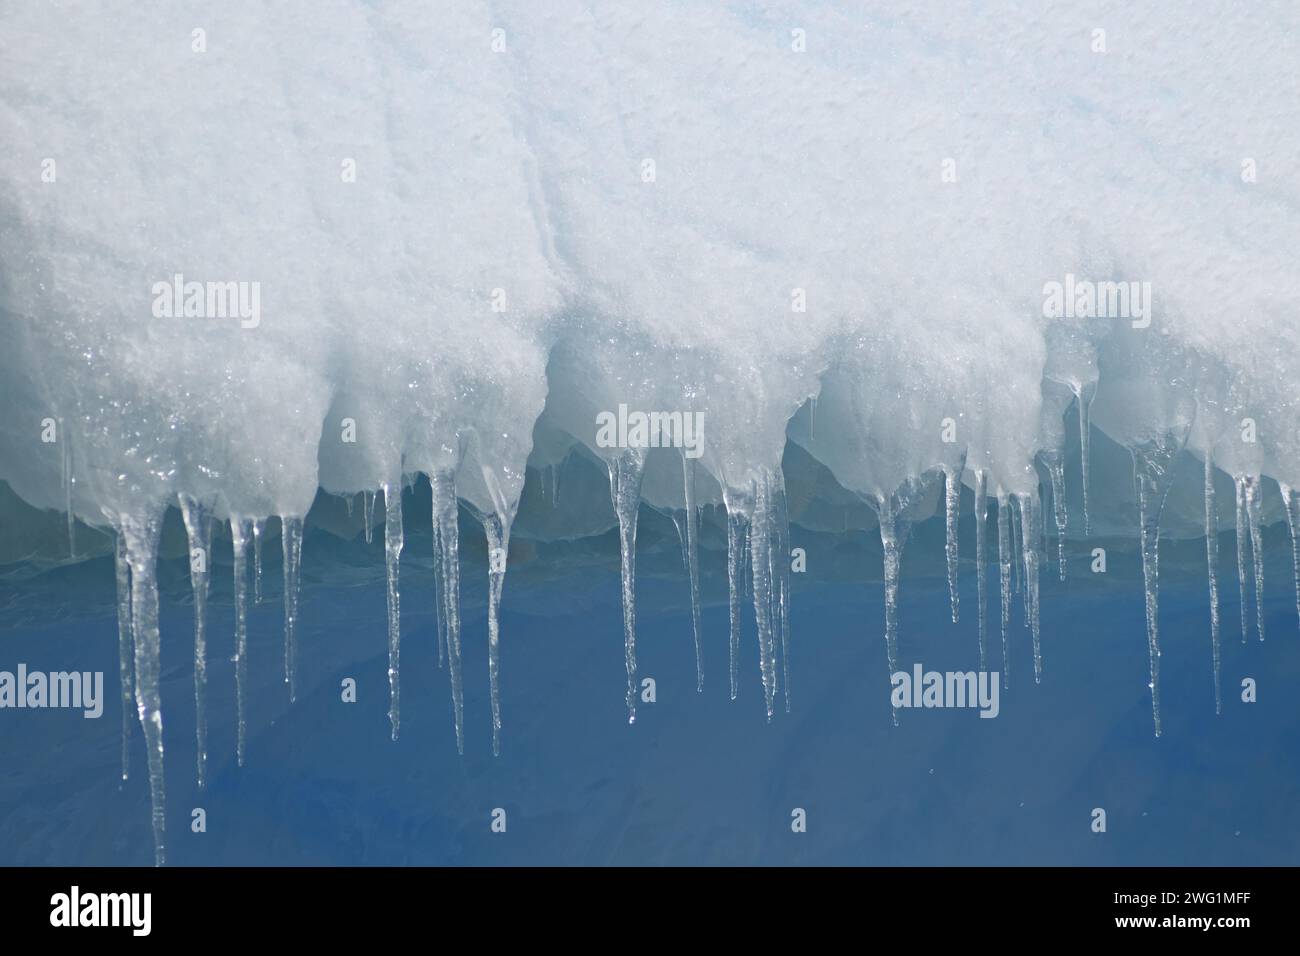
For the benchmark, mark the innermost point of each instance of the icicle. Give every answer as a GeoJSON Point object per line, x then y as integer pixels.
{"type": "Point", "coordinates": [760, 546]}
{"type": "Point", "coordinates": [446, 515]}
{"type": "Point", "coordinates": [393, 541]}
{"type": "Point", "coordinates": [368, 513]}
{"type": "Point", "coordinates": [1015, 543]}
{"type": "Point", "coordinates": [625, 474]}
{"type": "Point", "coordinates": [952, 506]}
{"type": "Point", "coordinates": [440, 612]}
{"type": "Point", "coordinates": [241, 529]}
{"type": "Point", "coordinates": [125, 646]}
{"type": "Point", "coordinates": [198, 527]}
{"type": "Point", "coordinates": [891, 510]}
{"type": "Point", "coordinates": [1004, 573]}
{"type": "Point", "coordinates": [981, 569]}
{"type": "Point", "coordinates": [1084, 394]}
{"type": "Point", "coordinates": [259, 526]}
{"type": "Point", "coordinates": [1153, 471]}
{"type": "Point", "coordinates": [1291, 501]}
{"type": "Point", "coordinates": [69, 479]}
{"type": "Point", "coordinates": [291, 544]}
{"type": "Point", "coordinates": [142, 553]}
{"type": "Point", "coordinates": [1055, 462]}
{"type": "Point", "coordinates": [736, 535]}
{"type": "Point", "coordinates": [498, 542]}
{"type": "Point", "coordinates": [1030, 522]}
{"type": "Point", "coordinates": [693, 564]}
{"type": "Point", "coordinates": [347, 501]}
{"type": "Point", "coordinates": [1212, 571]}
{"type": "Point", "coordinates": [781, 574]}
{"type": "Point", "coordinates": [1240, 486]}
{"type": "Point", "coordinates": [1254, 500]}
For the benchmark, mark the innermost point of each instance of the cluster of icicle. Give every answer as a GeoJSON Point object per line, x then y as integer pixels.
{"type": "Point", "coordinates": [758, 549]}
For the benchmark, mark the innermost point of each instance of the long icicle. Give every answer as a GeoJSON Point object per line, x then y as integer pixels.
{"type": "Point", "coordinates": [894, 526]}
{"type": "Point", "coordinates": [981, 562]}
{"type": "Point", "coordinates": [1055, 462]}
{"type": "Point", "coordinates": [439, 611]}
{"type": "Point", "coordinates": [1212, 572]}
{"type": "Point", "coordinates": [198, 528]}
{"type": "Point", "coordinates": [1239, 484]}
{"type": "Point", "coordinates": [241, 529]}
{"type": "Point", "coordinates": [446, 514]}
{"type": "Point", "coordinates": [393, 541]}
{"type": "Point", "coordinates": [1291, 502]}
{"type": "Point", "coordinates": [1254, 502]}
{"type": "Point", "coordinates": [125, 646]}
{"type": "Point", "coordinates": [693, 564]}
{"type": "Point", "coordinates": [781, 552]}
{"type": "Point", "coordinates": [497, 532]}
{"type": "Point", "coordinates": [1153, 472]}
{"type": "Point", "coordinates": [69, 481]}
{"type": "Point", "coordinates": [625, 474]}
{"type": "Point", "coordinates": [142, 535]}
{"type": "Point", "coordinates": [291, 545]}
{"type": "Point", "coordinates": [1004, 576]}
{"type": "Point", "coordinates": [1084, 394]}
{"type": "Point", "coordinates": [951, 510]}
{"type": "Point", "coordinates": [760, 546]}
{"type": "Point", "coordinates": [1030, 521]}
{"type": "Point", "coordinates": [259, 528]}
{"type": "Point", "coordinates": [736, 531]}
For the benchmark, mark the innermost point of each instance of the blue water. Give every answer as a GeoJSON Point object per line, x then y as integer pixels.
{"type": "Point", "coordinates": [699, 778]}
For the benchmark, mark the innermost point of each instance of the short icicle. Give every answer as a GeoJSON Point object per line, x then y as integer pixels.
{"type": "Point", "coordinates": [1254, 503]}
{"type": "Point", "coordinates": [693, 564]}
{"type": "Point", "coordinates": [393, 541]}
{"type": "Point", "coordinates": [1153, 471]}
{"type": "Point", "coordinates": [1212, 572]}
{"type": "Point", "coordinates": [241, 530]}
{"type": "Point", "coordinates": [1004, 574]}
{"type": "Point", "coordinates": [952, 512]}
{"type": "Point", "coordinates": [446, 516]}
{"type": "Point", "coordinates": [625, 474]}
{"type": "Point", "coordinates": [368, 513]}
{"type": "Point", "coordinates": [142, 533]}
{"type": "Point", "coordinates": [125, 646]}
{"type": "Point", "coordinates": [1291, 502]}
{"type": "Point", "coordinates": [760, 546]}
{"type": "Point", "coordinates": [981, 562]}
{"type": "Point", "coordinates": [198, 528]}
{"type": "Point", "coordinates": [291, 545]}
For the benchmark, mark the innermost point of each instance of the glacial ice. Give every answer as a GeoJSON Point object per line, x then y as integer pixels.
{"type": "Point", "coordinates": [477, 226]}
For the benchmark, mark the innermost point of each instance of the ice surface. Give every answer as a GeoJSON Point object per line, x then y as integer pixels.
{"type": "Point", "coordinates": [475, 227]}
